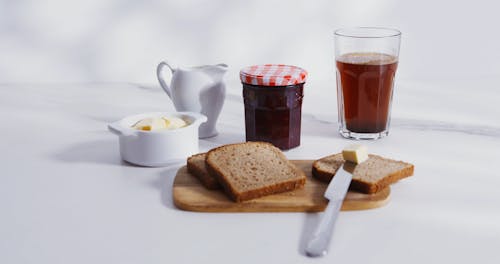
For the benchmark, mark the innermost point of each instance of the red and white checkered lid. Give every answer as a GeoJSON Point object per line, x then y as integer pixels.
{"type": "Point", "coordinates": [273, 75]}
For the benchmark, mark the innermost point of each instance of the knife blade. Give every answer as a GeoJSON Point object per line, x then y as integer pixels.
{"type": "Point", "coordinates": [335, 193]}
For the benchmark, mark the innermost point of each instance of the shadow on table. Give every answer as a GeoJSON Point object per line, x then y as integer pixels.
{"type": "Point", "coordinates": [107, 152]}
{"type": "Point", "coordinates": [311, 220]}
{"type": "Point", "coordinates": [97, 152]}
{"type": "Point", "coordinates": [221, 139]}
{"type": "Point", "coordinates": [164, 184]}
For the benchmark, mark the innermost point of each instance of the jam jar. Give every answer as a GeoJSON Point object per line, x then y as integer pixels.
{"type": "Point", "coordinates": [273, 95]}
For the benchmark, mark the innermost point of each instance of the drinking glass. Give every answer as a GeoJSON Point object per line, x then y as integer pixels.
{"type": "Point", "coordinates": [366, 60]}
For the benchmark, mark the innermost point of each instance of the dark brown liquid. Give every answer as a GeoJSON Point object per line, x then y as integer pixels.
{"type": "Point", "coordinates": [366, 80]}
{"type": "Point", "coordinates": [273, 114]}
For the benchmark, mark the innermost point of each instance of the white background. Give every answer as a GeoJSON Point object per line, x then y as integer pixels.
{"type": "Point", "coordinates": [68, 68]}
{"type": "Point", "coordinates": [122, 41]}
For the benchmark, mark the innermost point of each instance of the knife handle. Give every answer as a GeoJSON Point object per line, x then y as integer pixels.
{"type": "Point", "coordinates": [319, 242]}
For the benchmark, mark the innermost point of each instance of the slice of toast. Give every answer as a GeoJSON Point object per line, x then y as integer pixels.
{"type": "Point", "coordinates": [371, 176]}
{"type": "Point", "coordinates": [196, 166]}
{"type": "Point", "coordinates": [253, 169]}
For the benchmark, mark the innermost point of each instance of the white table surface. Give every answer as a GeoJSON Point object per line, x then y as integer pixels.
{"type": "Point", "coordinates": [66, 197]}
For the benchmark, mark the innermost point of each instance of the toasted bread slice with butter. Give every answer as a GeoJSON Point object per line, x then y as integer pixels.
{"type": "Point", "coordinates": [371, 176]}
{"type": "Point", "coordinates": [253, 169]}
{"type": "Point", "coordinates": [196, 166]}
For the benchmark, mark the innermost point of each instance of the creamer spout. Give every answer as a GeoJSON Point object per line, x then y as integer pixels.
{"type": "Point", "coordinates": [216, 72]}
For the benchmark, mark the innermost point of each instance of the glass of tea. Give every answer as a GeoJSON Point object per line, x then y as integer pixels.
{"type": "Point", "coordinates": [366, 61]}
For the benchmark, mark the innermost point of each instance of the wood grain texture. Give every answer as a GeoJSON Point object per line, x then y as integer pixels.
{"type": "Point", "coordinates": [189, 194]}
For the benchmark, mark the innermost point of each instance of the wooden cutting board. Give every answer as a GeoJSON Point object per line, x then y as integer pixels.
{"type": "Point", "coordinates": [189, 194]}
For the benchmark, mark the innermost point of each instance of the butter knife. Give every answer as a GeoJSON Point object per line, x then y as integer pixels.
{"type": "Point", "coordinates": [317, 246]}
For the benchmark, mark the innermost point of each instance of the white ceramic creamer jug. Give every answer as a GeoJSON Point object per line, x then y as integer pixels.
{"type": "Point", "coordinates": [196, 89]}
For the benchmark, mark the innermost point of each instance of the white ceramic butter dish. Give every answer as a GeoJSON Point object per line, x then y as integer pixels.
{"type": "Point", "coordinates": [158, 147]}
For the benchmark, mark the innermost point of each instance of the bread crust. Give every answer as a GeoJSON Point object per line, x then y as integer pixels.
{"type": "Point", "coordinates": [358, 184]}
{"type": "Point", "coordinates": [201, 173]}
{"type": "Point", "coordinates": [237, 196]}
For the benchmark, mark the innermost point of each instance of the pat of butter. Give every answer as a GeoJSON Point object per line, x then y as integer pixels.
{"type": "Point", "coordinates": [159, 123]}
{"type": "Point", "coordinates": [174, 122]}
{"type": "Point", "coordinates": [355, 153]}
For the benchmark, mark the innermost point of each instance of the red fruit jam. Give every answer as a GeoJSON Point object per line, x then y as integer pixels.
{"type": "Point", "coordinates": [273, 111]}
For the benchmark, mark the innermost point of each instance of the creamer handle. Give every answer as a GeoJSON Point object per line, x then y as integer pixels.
{"type": "Point", "coordinates": [164, 84]}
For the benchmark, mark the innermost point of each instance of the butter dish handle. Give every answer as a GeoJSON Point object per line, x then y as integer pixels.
{"type": "Point", "coordinates": [118, 130]}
